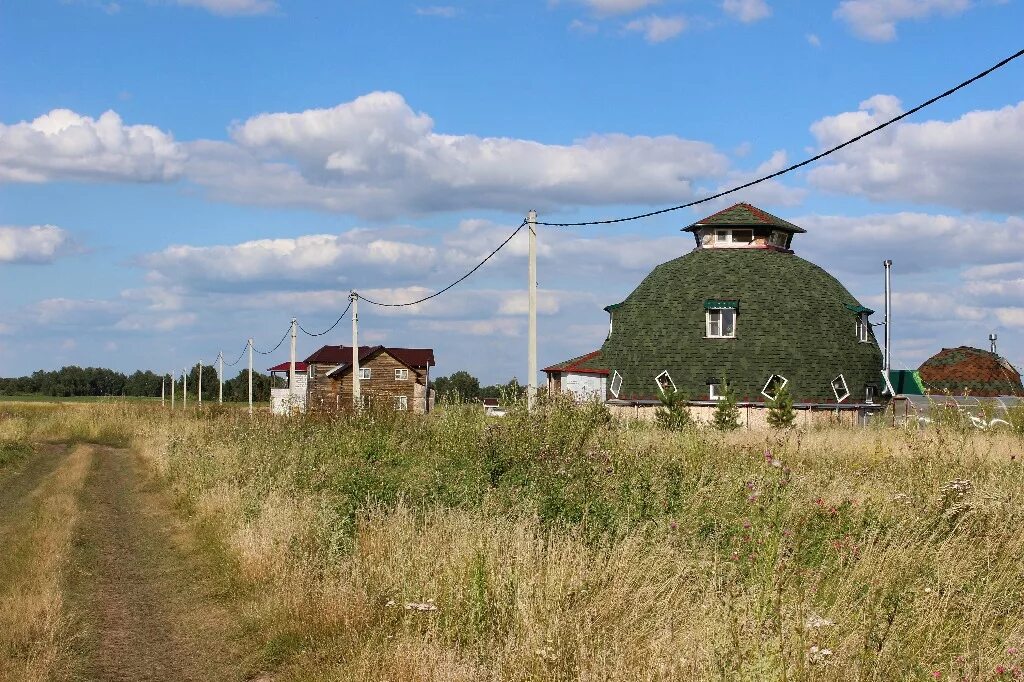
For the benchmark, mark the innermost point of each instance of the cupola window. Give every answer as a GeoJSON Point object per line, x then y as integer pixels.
{"type": "Point", "coordinates": [733, 237]}
{"type": "Point", "coordinates": [616, 384]}
{"type": "Point", "coordinates": [840, 389]}
{"type": "Point", "coordinates": [720, 319]}
{"type": "Point", "coordinates": [665, 383]}
{"type": "Point", "coordinates": [775, 383]}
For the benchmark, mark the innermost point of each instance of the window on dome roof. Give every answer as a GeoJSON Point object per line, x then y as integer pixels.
{"type": "Point", "coordinates": [721, 323]}
{"type": "Point", "coordinates": [862, 327]}
{"type": "Point", "coordinates": [777, 238]}
{"type": "Point", "coordinates": [840, 388]}
{"type": "Point", "coordinates": [665, 383]}
{"type": "Point", "coordinates": [773, 385]}
{"type": "Point", "coordinates": [616, 384]}
{"type": "Point", "coordinates": [729, 237]}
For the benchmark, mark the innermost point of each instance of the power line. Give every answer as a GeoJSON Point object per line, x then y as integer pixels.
{"type": "Point", "coordinates": [268, 352]}
{"type": "Point", "coordinates": [805, 162]}
{"type": "Point", "coordinates": [240, 356]}
{"type": "Point", "coordinates": [459, 280]}
{"type": "Point", "coordinates": [328, 330]}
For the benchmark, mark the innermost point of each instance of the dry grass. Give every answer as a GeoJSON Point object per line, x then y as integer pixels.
{"type": "Point", "coordinates": [36, 533]}
{"type": "Point", "coordinates": [565, 547]}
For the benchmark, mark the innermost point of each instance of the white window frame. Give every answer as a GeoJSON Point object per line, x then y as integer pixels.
{"type": "Point", "coordinates": [868, 397]}
{"type": "Point", "coordinates": [863, 327]}
{"type": "Point", "coordinates": [721, 326]}
{"type": "Point", "coordinates": [657, 380]}
{"type": "Point", "coordinates": [401, 374]}
{"type": "Point", "coordinates": [615, 385]}
{"type": "Point", "coordinates": [846, 389]}
{"type": "Point", "coordinates": [727, 236]}
{"type": "Point", "coordinates": [713, 393]}
{"type": "Point", "coordinates": [767, 384]}
{"type": "Point", "coordinates": [365, 373]}
{"type": "Point", "coordinates": [401, 403]}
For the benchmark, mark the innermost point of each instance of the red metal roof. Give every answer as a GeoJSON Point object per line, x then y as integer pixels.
{"type": "Point", "coordinates": [285, 367]}
{"type": "Point", "coordinates": [342, 355]}
{"type": "Point", "coordinates": [576, 365]}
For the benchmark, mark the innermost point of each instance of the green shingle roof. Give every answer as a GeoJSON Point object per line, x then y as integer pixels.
{"type": "Point", "coordinates": [794, 319]}
{"type": "Point", "coordinates": [744, 215]}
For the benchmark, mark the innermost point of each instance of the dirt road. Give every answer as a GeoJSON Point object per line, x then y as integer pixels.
{"type": "Point", "coordinates": [131, 595]}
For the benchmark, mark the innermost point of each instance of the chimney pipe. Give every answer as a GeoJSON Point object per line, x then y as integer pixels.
{"type": "Point", "coordinates": [992, 338]}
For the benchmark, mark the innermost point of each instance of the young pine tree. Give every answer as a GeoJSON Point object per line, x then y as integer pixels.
{"type": "Point", "coordinates": [727, 415]}
{"type": "Point", "coordinates": [673, 414]}
{"type": "Point", "coordinates": [780, 409]}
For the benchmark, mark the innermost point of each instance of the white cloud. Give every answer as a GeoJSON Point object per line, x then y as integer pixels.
{"type": "Point", "coordinates": [376, 157]}
{"type": "Point", "coordinates": [233, 7]}
{"type": "Point", "coordinates": [443, 11]}
{"type": "Point", "coordinates": [609, 7]}
{"type": "Point", "coordinates": [747, 11]}
{"type": "Point", "coordinates": [813, 40]}
{"type": "Point", "coordinates": [974, 163]}
{"type": "Point", "coordinates": [499, 326]}
{"type": "Point", "coordinates": [583, 27]}
{"type": "Point", "coordinates": [35, 244]}
{"type": "Point", "coordinates": [876, 19]}
{"type": "Point", "coordinates": [63, 145]}
{"type": "Point", "coordinates": [657, 29]}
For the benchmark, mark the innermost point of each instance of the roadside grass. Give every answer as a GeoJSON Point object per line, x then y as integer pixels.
{"type": "Point", "coordinates": [567, 546]}
{"type": "Point", "coordinates": [37, 534]}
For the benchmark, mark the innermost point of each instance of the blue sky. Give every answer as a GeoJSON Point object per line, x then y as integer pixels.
{"type": "Point", "coordinates": [177, 175]}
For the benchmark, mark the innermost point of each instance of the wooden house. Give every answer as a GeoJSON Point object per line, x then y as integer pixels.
{"type": "Point", "coordinates": [389, 378]}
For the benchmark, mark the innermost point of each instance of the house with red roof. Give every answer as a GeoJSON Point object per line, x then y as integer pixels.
{"type": "Point", "coordinates": [291, 398]}
{"type": "Point", "coordinates": [389, 378]}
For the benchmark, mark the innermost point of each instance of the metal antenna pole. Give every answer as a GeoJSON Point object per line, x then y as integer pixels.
{"type": "Point", "coordinates": [357, 394]}
{"type": "Point", "coordinates": [531, 372]}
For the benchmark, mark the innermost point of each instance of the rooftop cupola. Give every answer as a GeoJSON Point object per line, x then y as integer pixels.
{"type": "Point", "coordinates": [743, 226]}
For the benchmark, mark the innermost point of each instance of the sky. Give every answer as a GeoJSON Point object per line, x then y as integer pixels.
{"type": "Point", "coordinates": [179, 175]}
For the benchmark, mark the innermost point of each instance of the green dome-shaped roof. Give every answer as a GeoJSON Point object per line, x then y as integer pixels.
{"type": "Point", "coordinates": [794, 319]}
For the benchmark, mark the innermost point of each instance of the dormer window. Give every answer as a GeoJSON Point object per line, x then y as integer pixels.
{"type": "Point", "coordinates": [862, 327]}
{"type": "Point", "coordinates": [720, 319]}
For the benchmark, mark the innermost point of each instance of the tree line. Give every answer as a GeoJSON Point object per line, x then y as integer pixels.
{"type": "Point", "coordinates": [463, 387]}
{"type": "Point", "coordinates": [74, 381]}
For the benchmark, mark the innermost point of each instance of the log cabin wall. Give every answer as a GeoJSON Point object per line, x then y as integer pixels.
{"type": "Point", "coordinates": [380, 390]}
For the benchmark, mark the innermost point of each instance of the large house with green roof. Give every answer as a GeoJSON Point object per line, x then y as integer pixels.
{"type": "Point", "coordinates": [741, 308]}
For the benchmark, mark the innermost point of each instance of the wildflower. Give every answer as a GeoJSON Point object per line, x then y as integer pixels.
{"type": "Point", "coordinates": [673, 525]}
{"type": "Point", "coordinates": [746, 524]}
{"type": "Point", "coordinates": [391, 602]}
{"type": "Point", "coordinates": [927, 590]}
{"type": "Point", "coordinates": [1000, 670]}
{"type": "Point", "coordinates": [814, 621]}
{"type": "Point", "coordinates": [818, 655]}
{"type": "Point", "coordinates": [937, 674]}
{"type": "Point", "coordinates": [1012, 651]}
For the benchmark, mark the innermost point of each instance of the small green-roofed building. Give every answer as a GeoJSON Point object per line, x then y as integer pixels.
{"type": "Point", "coordinates": [741, 308]}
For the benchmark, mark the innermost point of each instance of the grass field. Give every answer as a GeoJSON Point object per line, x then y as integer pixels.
{"type": "Point", "coordinates": [567, 546]}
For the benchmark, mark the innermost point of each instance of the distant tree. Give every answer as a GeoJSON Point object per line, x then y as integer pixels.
{"type": "Point", "coordinates": [727, 415]}
{"type": "Point", "coordinates": [237, 389]}
{"type": "Point", "coordinates": [781, 414]}
{"type": "Point", "coordinates": [459, 387]}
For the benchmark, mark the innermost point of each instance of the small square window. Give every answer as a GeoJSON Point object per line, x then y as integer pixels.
{"type": "Point", "coordinates": [721, 323]}
{"type": "Point", "coordinates": [401, 403]}
{"type": "Point", "coordinates": [401, 375]}
{"type": "Point", "coordinates": [773, 385]}
{"type": "Point", "coordinates": [715, 392]}
{"type": "Point", "coordinates": [840, 389]}
{"type": "Point", "coordinates": [665, 383]}
{"type": "Point", "coordinates": [742, 236]}
{"type": "Point", "coordinates": [722, 236]}
{"type": "Point", "coordinates": [364, 373]}
{"type": "Point", "coordinates": [616, 384]}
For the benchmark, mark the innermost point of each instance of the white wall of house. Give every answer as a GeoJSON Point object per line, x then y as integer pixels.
{"type": "Point", "coordinates": [287, 401]}
{"type": "Point", "coordinates": [583, 387]}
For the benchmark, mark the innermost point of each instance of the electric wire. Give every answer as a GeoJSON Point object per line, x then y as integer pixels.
{"type": "Point", "coordinates": [805, 162]}
{"type": "Point", "coordinates": [240, 355]}
{"type": "Point", "coordinates": [458, 281]}
{"type": "Point", "coordinates": [328, 330]}
{"type": "Point", "coordinates": [268, 352]}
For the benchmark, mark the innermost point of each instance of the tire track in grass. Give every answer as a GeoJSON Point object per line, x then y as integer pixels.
{"type": "Point", "coordinates": [148, 599]}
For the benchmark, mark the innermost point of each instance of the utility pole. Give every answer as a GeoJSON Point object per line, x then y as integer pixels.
{"type": "Point", "coordinates": [887, 264]}
{"type": "Point", "coordinates": [220, 378]}
{"type": "Point", "coordinates": [172, 391]}
{"type": "Point", "coordinates": [250, 376]}
{"type": "Point", "coordinates": [184, 389]}
{"type": "Point", "coordinates": [163, 385]}
{"type": "Point", "coordinates": [200, 383]}
{"type": "Point", "coordinates": [531, 372]}
{"type": "Point", "coordinates": [357, 401]}
{"type": "Point", "coordinates": [291, 369]}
